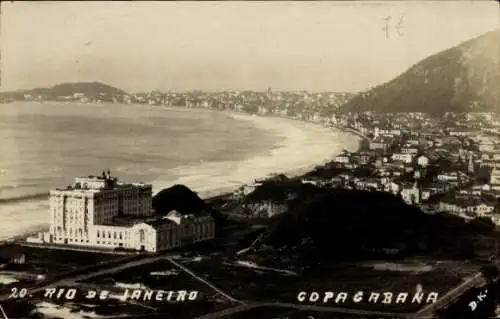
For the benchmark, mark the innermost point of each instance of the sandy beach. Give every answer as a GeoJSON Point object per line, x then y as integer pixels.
{"type": "Point", "coordinates": [303, 146]}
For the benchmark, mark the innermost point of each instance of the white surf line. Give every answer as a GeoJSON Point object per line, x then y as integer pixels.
{"type": "Point", "coordinates": [203, 280]}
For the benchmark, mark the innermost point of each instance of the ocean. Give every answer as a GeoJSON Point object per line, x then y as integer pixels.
{"type": "Point", "coordinates": [46, 145]}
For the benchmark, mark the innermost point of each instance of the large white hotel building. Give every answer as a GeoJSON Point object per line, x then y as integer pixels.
{"type": "Point", "coordinates": [101, 212]}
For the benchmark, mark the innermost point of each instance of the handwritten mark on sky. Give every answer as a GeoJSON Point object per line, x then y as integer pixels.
{"type": "Point", "coordinates": [388, 27]}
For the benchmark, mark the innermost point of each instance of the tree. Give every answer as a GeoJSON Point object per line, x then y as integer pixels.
{"type": "Point", "coordinates": [482, 224]}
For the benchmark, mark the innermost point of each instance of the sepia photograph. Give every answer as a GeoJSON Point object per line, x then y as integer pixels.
{"type": "Point", "coordinates": [250, 159]}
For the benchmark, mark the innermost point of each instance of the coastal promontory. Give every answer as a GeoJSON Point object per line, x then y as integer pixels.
{"type": "Point", "coordinates": [67, 92]}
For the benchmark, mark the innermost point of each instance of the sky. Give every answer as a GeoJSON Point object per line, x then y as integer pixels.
{"type": "Point", "coordinates": [145, 46]}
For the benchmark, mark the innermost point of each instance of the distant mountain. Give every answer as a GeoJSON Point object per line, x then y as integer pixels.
{"type": "Point", "coordinates": [87, 89]}
{"type": "Point", "coordinates": [463, 78]}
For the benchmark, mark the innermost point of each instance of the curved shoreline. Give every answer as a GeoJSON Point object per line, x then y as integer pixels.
{"type": "Point", "coordinates": [305, 146]}
{"type": "Point", "coordinates": [243, 115]}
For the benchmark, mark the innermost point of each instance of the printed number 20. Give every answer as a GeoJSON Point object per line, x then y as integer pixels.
{"type": "Point", "coordinates": [21, 294]}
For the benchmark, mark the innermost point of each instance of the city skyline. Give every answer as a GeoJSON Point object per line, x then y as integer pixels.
{"type": "Point", "coordinates": [319, 46]}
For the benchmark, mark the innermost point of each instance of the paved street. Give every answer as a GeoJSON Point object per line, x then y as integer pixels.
{"type": "Point", "coordinates": [280, 309]}
{"type": "Point", "coordinates": [451, 295]}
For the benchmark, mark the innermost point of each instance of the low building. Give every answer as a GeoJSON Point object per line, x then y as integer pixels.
{"type": "Point", "coordinates": [495, 179]}
{"type": "Point", "coordinates": [403, 157]}
{"type": "Point", "coordinates": [364, 157]}
{"type": "Point", "coordinates": [411, 194]}
{"type": "Point", "coordinates": [462, 132]}
{"type": "Point", "coordinates": [372, 184]}
{"type": "Point", "coordinates": [379, 144]}
{"type": "Point", "coordinates": [343, 158]}
{"type": "Point", "coordinates": [173, 230]}
{"type": "Point", "coordinates": [157, 234]}
{"type": "Point", "coordinates": [476, 207]}
{"type": "Point", "coordinates": [448, 177]}
{"type": "Point", "coordinates": [409, 150]}
{"type": "Point", "coordinates": [423, 161]}
{"type": "Point", "coordinates": [266, 208]}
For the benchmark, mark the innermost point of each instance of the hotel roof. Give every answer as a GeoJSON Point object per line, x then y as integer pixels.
{"type": "Point", "coordinates": [159, 221]}
{"type": "Point", "coordinates": [108, 183]}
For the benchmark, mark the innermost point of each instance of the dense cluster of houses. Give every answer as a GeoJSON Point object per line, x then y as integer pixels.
{"type": "Point", "coordinates": [296, 104]}
{"type": "Point", "coordinates": [450, 164]}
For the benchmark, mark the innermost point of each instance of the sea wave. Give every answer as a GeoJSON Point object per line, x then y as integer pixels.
{"type": "Point", "coordinates": [24, 198]}
{"type": "Point", "coordinates": [304, 146]}
{"type": "Point", "coordinates": [18, 185]}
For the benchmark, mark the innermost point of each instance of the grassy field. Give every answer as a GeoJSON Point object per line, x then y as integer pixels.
{"type": "Point", "coordinates": [259, 285]}
{"type": "Point", "coordinates": [46, 260]}
{"type": "Point", "coordinates": [266, 312]}
{"type": "Point", "coordinates": [113, 306]}
{"type": "Point", "coordinates": [160, 275]}
{"type": "Point", "coordinates": [20, 309]}
{"type": "Point", "coordinates": [28, 308]}
{"type": "Point", "coordinates": [251, 284]}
